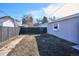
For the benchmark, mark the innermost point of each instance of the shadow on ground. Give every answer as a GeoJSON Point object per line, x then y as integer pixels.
{"type": "Point", "coordinates": [50, 45]}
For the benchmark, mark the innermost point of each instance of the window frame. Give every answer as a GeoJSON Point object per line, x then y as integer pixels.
{"type": "Point", "coordinates": [55, 24]}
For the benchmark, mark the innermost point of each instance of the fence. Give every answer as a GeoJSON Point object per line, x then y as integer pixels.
{"type": "Point", "coordinates": [8, 32]}
{"type": "Point", "coordinates": [33, 30]}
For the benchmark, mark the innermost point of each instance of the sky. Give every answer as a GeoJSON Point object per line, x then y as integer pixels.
{"type": "Point", "coordinates": [38, 10]}
{"type": "Point", "coordinates": [18, 10]}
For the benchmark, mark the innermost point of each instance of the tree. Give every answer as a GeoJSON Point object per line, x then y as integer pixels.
{"type": "Point", "coordinates": [24, 19]}
{"type": "Point", "coordinates": [44, 20]}
{"type": "Point", "coordinates": [27, 20]}
{"type": "Point", "coordinates": [38, 21]}
{"type": "Point", "coordinates": [52, 19]}
{"type": "Point", "coordinates": [30, 19]}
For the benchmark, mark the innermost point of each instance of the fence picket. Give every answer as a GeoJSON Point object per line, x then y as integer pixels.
{"type": "Point", "coordinates": [8, 32]}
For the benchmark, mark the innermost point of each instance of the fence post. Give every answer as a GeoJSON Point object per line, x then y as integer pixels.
{"type": "Point", "coordinates": [1, 34]}
{"type": "Point", "coordinates": [7, 32]}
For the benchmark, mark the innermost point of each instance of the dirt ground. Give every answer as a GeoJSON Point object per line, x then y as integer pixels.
{"type": "Point", "coordinates": [26, 47]}
{"type": "Point", "coordinates": [41, 45]}
{"type": "Point", "coordinates": [50, 45]}
{"type": "Point", "coordinates": [7, 41]}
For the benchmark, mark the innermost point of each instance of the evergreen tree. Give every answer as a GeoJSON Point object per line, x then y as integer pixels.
{"type": "Point", "coordinates": [44, 20]}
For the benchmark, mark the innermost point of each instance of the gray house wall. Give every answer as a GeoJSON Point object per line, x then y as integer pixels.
{"type": "Point", "coordinates": [68, 29]}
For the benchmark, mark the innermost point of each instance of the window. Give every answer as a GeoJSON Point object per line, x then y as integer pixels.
{"type": "Point", "coordinates": [55, 27]}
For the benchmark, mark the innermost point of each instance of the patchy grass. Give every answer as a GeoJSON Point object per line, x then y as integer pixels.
{"type": "Point", "coordinates": [50, 45]}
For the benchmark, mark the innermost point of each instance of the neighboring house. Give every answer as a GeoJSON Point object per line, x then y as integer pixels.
{"type": "Point", "coordinates": [41, 25]}
{"type": "Point", "coordinates": [25, 25]}
{"type": "Point", "coordinates": [7, 21]}
{"type": "Point", "coordinates": [66, 28]}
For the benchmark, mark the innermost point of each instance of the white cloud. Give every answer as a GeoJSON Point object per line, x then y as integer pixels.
{"type": "Point", "coordinates": [52, 8]}
{"type": "Point", "coordinates": [68, 9]}
{"type": "Point", "coordinates": [62, 10]}
{"type": "Point", "coordinates": [36, 13]}
{"type": "Point", "coordinates": [45, 11]}
{"type": "Point", "coordinates": [58, 10]}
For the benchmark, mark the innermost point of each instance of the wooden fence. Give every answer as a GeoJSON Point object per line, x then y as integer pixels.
{"type": "Point", "coordinates": [8, 32]}
{"type": "Point", "coordinates": [33, 30]}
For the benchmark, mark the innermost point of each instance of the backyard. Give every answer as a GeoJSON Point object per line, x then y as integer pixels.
{"type": "Point", "coordinates": [37, 45]}
{"type": "Point", "coordinates": [29, 29]}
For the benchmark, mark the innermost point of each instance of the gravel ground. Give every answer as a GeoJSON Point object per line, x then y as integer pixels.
{"type": "Point", "coordinates": [50, 45]}
{"type": "Point", "coordinates": [26, 47]}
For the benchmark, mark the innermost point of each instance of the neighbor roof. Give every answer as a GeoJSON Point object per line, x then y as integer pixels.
{"type": "Point", "coordinates": [5, 18]}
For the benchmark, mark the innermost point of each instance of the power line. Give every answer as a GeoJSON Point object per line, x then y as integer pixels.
{"type": "Point", "coordinates": [3, 12]}
{"type": "Point", "coordinates": [7, 14]}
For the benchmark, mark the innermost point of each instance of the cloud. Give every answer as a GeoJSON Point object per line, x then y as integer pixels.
{"type": "Point", "coordinates": [62, 10]}
{"type": "Point", "coordinates": [45, 11]}
{"type": "Point", "coordinates": [36, 13]}
{"type": "Point", "coordinates": [57, 9]}
{"type": "Point", "coordinates": [68, 9]}
{"type": "Point", "coordinates": [52, 8]}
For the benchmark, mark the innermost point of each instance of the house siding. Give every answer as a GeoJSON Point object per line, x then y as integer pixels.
{"type": "Point", "coordinates": [7, 21]}
{"type": "Point", "coordinates": [68, 30]}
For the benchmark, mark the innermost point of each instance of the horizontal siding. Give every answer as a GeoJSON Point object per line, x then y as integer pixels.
{"type": "Point", "coordinates": [68, 30]}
